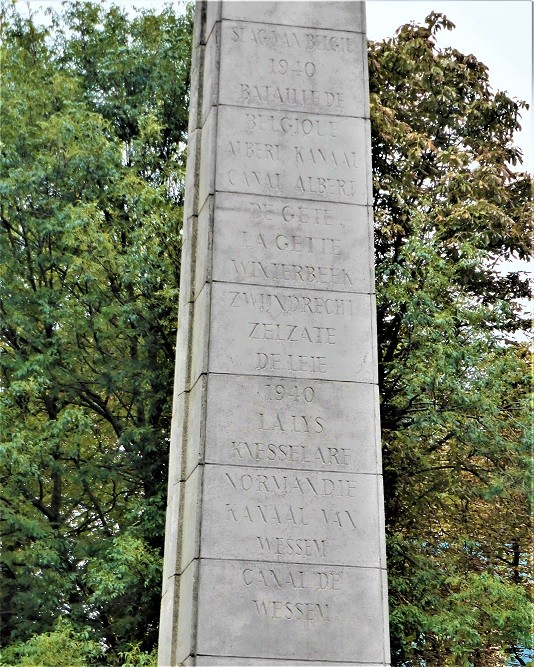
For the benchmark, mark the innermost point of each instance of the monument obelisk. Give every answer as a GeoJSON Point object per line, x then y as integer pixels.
{"type": "Point", "coordinates": [274, 538]}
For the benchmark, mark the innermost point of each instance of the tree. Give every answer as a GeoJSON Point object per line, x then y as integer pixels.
{"type": "Point", "coordinates": [93, 130]}
{"type": "Point", "coordinates": [92, 164]}
{"type": "Point", "coordinates": [453, 376]}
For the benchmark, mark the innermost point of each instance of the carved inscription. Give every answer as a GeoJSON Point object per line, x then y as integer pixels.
{"type": "Point", "coordinates": [298, 484]}
{"type": "Point", "coordinates": [291, 273]}
{"type": "Point", "coordinates": [278, 36]}
{"type": "Point", "coordinates": [292, 578]}
{"type": "Point", "coordinates": [291, 423]}
{"type": "Point", "coordinates": [290, 454]}
{"type": "Point", "coordinates": [297, 333]}
{"type": "Point", "coordinates": [293, 516]}
{"type": "Point", "coordinates": [281, 455]}
{"type": "Point", "coordinates": [287, 582]}
{"type": "Point", "coordinates": [289, 486]}
{"type": "Point", "coordinates": [292, 333]}
{"type": "Point", "coordinates": [313, 612]}
{"type": "Point", "coordinates": [292, 68]}
{"type": "Point", "coordinates": [292, 155]}
{"type": "Point", "coordinates": [272, 241]}
{"type": "Point", "coordinates": [303, 611]}
{"type": "Point", "coordinates": [284, 302]}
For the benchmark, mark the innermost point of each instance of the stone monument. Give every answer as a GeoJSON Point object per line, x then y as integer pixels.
{"type": "Point", "coordinates": [274, 539]}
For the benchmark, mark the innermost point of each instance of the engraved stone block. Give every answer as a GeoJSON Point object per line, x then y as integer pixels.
{"type": "Point", "coordinates": [203, 243]}
{"type": "Point", "coordinates": [191, 193]}
{"type": "Point", "coordinates": [273, 241]}
{"type": "Point", "coordinates": [188, 583]}
{"type": "Point", "coordinates": [200, 332]}
{"type": "Point", "coordinates": [294, 424]}
{"type": "Point", "coordinates": [275, 548]}
{"type": "Point", "coordinates": [168, 611]}
{"type": "Point", "coordinates": [172, 543]}
{"type": "Point", "coordinates": [196, 426]}
{"type": "Point", "coordinates": [210, 84]}
{"type": "Point", "coordinates": [266, 610]}
{"type": "Point", "coordinates": [268, 66]}
{"type": "Point", "coordinates": [206, 174]}
{"type": "Point", "coordinates": [290, 154]}
{"type": "Point", "coordinates": [292, 516]}
{"type": "Point", "coordinates": [190, 518]}
{"type": "Point", "coordinates": [291, 333]}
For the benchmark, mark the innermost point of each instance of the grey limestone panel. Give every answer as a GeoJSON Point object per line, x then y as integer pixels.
{"type": "Point", "coordinates": [191, 177]}
{"type": "Point", "coordinates": [205, 178]}
{"type": "Point", "coordinates": [374, 335]}
{"type": "Point", "coordinates": [385, 611]}
{"type": "Point", "coordinates": [192, 342]}
{"type": "Point", "coordinates": [327, 15]}
{"type": "Point", "coordinates": [273, 241]}
{"type": "Point", "coordinates": [196, 426]}
{"type": "Point", "coordinates": [381, 519]}
{"type": "Point", "coordinates": [187, 612]}
{"type": "Point", "coordinates": [210, 84]}
{"type": "Point", "coordinates": [177, 445]}
{"type": "Point", "coordinates": [168, 610]}
{"type": "Point", "coordinates": [182, 369]}
{"type": "Point", "coordinates": [274, 549]}
{"type": "Point", "coordinates": [274, 331]}
{"type": "Point", "coordinates": [213, 14]}
{"type": "Point", "coordinates": [289, 423]}
{"type": "Point", "coordinates": [289, 154]}
{"type": "Point", "coordinates": [188, 259]}
{"type": "Point", "coordinates": [269, 66]}
{"type": "Point", "coordinates": [190, 516]}
{"type": "Point", "coordinates": [199, 27]}
{"type": "Point", "coordinates": [323, 15]}
{"type": "Point", "coordinates": [293, 516]}
{"type": "Point", "coordinates": [197, 65]}
{"type": "Point", "coordinates": [199, 336]}
{"type": "Point", "coordinates": [278, 611]}
{"type": "Point", "coordinates": [204, 246]}
{"type": "Point", "coordinates": [222, 661]}
{"type": "Point", "coordinates": [172, 536]}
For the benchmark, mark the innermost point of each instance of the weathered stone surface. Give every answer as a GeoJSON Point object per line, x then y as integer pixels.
{"type": "Point", "coordinates": [302, 156]}
{"type": "Point", "coordinates": [325, 15]}
{"type": "Point", "coordinates": [266, 610]}
{"type": "Point", "coordinates": [292, 68]}
{"type": "Point", "coordinates": [276, 422]}
{"type": "Point", "coordinates": [206, 660]}
{"type": "Point", "coordinates": [168, 611]}
{"type": "Point", "coordinates": [210, 82]}
{"type": "Point", "coordinates": [172, 543]}
{"type": "Point", "coordinates": [196, 426]}
{"type": "Point", "coordinates": [290, 516]}
{"type": "Point", "coordinates": [190, 520]}
{"type": "Point", "coordinates": [204, 245]}
{"type": "Point", "coordinates": [206, 172]}
{"type": "Point", "coordinates": [293, 333]}
{"type": "Point", "coordinates": [186, 600]}
{"type": "Point", "coordinates": [273, 241]}
{"type": "Point", "coordinates": [275, 550]}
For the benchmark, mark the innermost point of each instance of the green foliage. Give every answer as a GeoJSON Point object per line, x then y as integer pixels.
{"type": "Point", "coordinates": [62, 647]}
{"type": "Point", "coordinates": [92, 169]}
{"type": "Point", "coordinates": [66, 647]}
{"type": "Point", "coordinates": [137, 658]}
{"type": "Point", "coordinates": [94, 118]}
{"type": "Point", "coordinates": [448, 211]}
